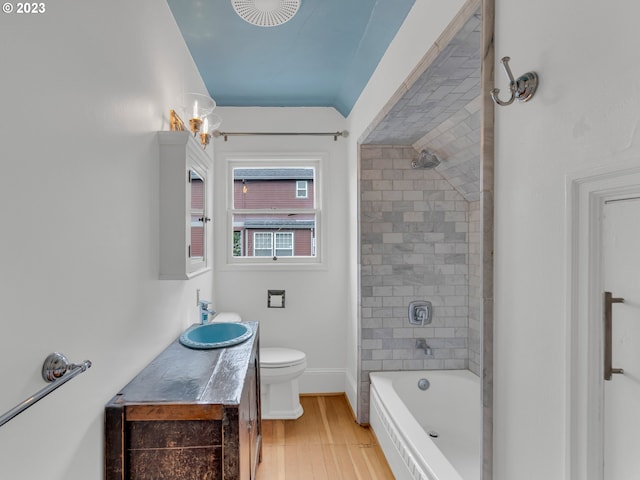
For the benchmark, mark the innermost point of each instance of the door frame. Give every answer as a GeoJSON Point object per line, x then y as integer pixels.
{"type": "Point", "coordinates": [586, 193]}
{"type": "Point", "coordinates": [487, 181]}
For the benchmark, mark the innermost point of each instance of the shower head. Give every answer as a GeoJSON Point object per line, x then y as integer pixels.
{"type": "Point", "coordinates": [426, 159]}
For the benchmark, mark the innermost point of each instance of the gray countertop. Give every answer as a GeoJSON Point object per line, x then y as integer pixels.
{"type": "Point", "coordinates": [184, 375]}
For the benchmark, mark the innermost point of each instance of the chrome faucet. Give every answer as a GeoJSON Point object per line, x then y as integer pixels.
{"type": "Point", "coordinates": [203, 307]}
{"type": "Point", "coordinates": [422, 343]}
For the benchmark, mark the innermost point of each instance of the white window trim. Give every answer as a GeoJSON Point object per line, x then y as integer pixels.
{"type": "Point", "coordinates": [312, 159]}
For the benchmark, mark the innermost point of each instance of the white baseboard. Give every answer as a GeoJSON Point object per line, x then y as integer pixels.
{"type": "Point", "coordinates": [322, 380]}
{"type": "Point", "coordinates": [351, 390]}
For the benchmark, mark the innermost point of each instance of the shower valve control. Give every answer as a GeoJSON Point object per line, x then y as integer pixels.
{"type": "Point", "coordinates": [420, 312]}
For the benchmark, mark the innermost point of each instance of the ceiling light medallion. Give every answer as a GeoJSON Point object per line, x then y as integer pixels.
{"type": "Point", "coordinates": [266, 13]}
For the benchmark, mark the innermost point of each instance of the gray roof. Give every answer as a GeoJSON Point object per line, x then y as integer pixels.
{"type": "Point", "coordinates": [273, 173]}
{"type": "Point", "coordinates": [287, 224]}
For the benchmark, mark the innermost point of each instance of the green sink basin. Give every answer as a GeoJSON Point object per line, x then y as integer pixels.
{"type": "Point", "coordinates": [215, 335]}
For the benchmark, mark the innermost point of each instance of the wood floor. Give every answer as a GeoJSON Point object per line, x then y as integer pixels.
{"type": "Point", "coordinates": [325, 443]}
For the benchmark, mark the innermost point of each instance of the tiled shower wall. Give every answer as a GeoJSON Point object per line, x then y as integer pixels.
{"type": "Point", "coordinates": [414, 246]}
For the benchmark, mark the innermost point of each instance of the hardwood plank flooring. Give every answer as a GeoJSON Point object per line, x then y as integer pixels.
{"type": "Point", "coordinates": [324, 444]}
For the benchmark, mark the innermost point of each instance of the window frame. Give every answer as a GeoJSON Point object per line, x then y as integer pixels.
{"type": "Point", "coordinates": [310, 160]}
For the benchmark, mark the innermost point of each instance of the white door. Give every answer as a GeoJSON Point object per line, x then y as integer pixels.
{"type": "Point", "coordinates": [621, 267]}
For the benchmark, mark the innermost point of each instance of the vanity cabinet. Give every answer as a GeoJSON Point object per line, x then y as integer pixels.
{"type": "Point", "coordinates": [190, 414]}
{"type": "Point", "coordinates": [184, 206]}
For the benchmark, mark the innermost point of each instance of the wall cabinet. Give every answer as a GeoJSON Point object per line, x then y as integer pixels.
{"type": "Point", "coordinates": [190, 414]}
{"type": "Point", "coordinates": [184, 206]}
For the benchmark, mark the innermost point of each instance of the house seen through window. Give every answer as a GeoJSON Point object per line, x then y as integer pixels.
{"type": "Point", "coordinates": [274, 212]}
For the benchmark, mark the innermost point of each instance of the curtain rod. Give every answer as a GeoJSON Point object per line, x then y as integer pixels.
{"type": "Point", "coordinates": [226, 135]}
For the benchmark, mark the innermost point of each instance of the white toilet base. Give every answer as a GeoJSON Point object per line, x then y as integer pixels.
{"type": "Point", "coordinates": [281, 401]}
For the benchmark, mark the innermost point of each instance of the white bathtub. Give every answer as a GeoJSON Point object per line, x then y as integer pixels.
{"type": "Point", "coordinates": [403, 416]}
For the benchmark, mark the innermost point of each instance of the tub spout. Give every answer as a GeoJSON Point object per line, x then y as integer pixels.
{"type": "Point", "coordinates": [422, 343]}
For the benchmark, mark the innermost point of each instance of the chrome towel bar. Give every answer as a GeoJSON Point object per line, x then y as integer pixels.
{"type": "Point", "coordinates": [57, 370]}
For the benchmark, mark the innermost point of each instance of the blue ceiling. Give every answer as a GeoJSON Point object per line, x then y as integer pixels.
{"type": "Point", "coordinates": [324, 56]}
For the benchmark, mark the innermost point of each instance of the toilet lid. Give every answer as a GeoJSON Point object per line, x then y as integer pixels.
{"type": "Point", "coordinates": [279, 357]}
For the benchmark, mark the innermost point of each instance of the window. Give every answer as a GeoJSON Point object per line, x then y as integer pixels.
{"type": "Point", "coordinates": [274, 211]}
{"type": "Point", "coordinates": [301, 189]}
{"type": "Point", "coordinates": [264, 244]}
{"type": "Point", "coordinates": [284, 244]}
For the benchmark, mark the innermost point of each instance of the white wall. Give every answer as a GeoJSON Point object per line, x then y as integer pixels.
{"type": "Point", "coordinates": [84, 87]}
{"type": "Point", "coordinates": [423, 25]}
{"type": "Point", "coordinates": [583, 118]}
{"type": "Point", "coordinates": [314, 319]}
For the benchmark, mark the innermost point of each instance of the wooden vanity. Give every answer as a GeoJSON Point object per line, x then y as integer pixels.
{"type": "Point", "coordinates": [190, 414]}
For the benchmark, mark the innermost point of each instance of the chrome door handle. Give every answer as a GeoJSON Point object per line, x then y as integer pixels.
{"type": "Point", "coordinates": [609, 300]}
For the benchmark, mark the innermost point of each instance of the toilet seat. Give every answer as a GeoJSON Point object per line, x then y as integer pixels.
{"type": "Point", "coordinates": [278, 357]}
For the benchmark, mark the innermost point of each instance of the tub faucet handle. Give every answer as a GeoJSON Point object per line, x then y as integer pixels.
{"type": "Point", "coordinates": [420, 312]}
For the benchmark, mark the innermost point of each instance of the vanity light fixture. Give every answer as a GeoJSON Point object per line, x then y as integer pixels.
{"type": "Point", "coordinates": [199, 108]}
{"type": "Point", "coordinates": [196, 106]}
{"type": "Point", "coordinates": [210, 123]}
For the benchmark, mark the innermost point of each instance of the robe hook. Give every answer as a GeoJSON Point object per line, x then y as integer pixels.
{"type": "Point", "coordinates": [521, 89]}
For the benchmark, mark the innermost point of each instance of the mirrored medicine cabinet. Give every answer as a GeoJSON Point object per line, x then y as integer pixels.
{"type": "Point", "coordinates": [184, 206]}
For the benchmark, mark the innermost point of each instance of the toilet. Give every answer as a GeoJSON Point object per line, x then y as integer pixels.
{"type": "Point", "coordinates": [279, 392]}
